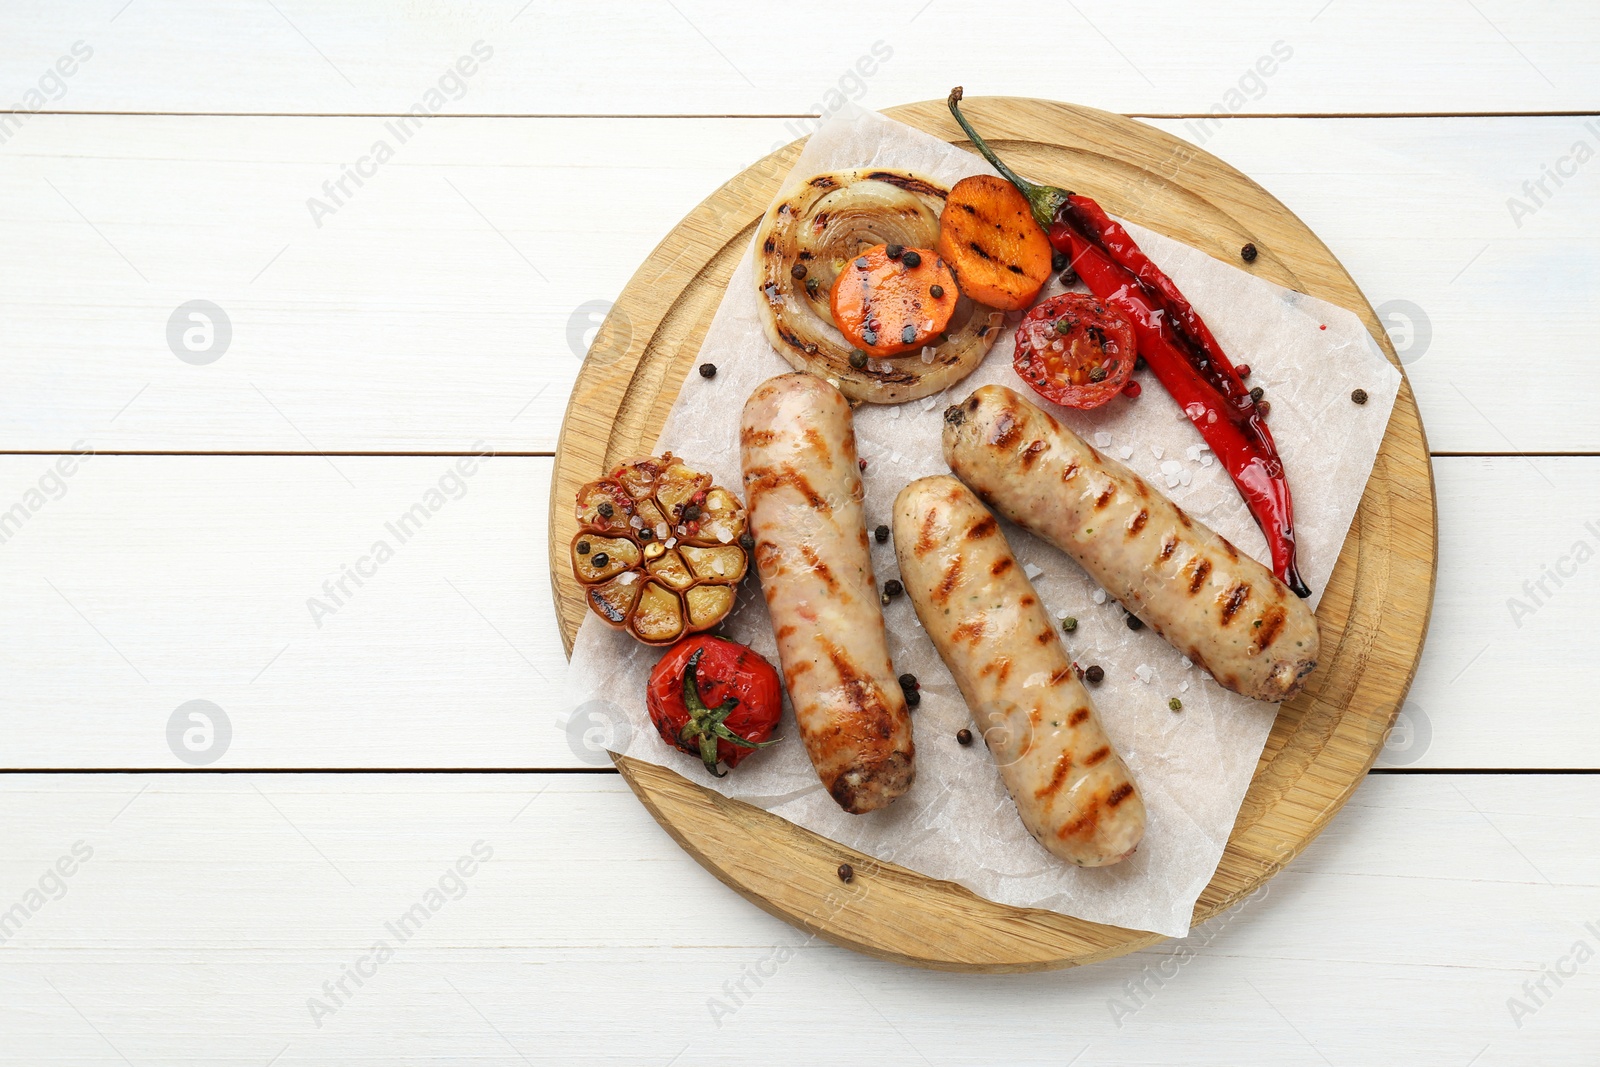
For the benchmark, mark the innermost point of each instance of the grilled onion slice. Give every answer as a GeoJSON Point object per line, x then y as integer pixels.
{"type": "Point", "coordinates": [822, 227]}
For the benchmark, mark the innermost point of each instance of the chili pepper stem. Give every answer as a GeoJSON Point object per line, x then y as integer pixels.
{"type": "Point", "coordinates": [1045, 200]}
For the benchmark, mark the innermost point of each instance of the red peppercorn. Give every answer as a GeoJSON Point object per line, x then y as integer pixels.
{"type": "Point", "coordinates": [1132, 389]}
{"type": "Point", "coordinates": [1243, 369]}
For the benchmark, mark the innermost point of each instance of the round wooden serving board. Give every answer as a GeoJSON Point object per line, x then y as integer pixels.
{"type": "Point", "coordinates": [1373, 614]}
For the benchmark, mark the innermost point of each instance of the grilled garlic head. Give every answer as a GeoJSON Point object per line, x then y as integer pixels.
{"type": "Point", "coordinates": [660, 550]}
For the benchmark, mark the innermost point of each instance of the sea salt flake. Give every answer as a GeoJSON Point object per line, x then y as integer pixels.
{"type": "Point", "coordinates": [1192, 453]}
{"type": "Point", "coordinates": [1184, 477]}
{"type": "Point", "coordinates": [1144, 672]}
{"type": "Point", "coordinates": [1187, 663]}
{"type": "Point", "coordinates": [1171, 466]}
{"type": "Point", "coordinates": [1157, 451]}
{"type": "Point", "coordinates": [1102, 439]}
{"type": "Point", "coordinates": [1125, 452]}
{"type": "Point", "coordinates": [627, 578]}
{"type": "Point", "coordinates": [1172, 481]}
{"type": "Point", "coordinates": [1207, 461]}
{"type": "Point", "coordinates": [1184, 688]}
{"type": "Point", "coordinates": [1032, 570]}
{"type": "Point", "coordinates": [1098, 596]}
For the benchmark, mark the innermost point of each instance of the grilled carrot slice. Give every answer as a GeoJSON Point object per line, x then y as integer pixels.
{"type": "Point", "coordinates": [988, 235]}
{"type": "Point", "coordinates": [891, 299]}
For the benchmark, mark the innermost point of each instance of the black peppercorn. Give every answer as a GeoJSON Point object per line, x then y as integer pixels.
{"type": "Point", "coordinates": [1359, 396]}
{"type": "Point", "coordinates": [708, 370]}
{"type": "Point", "coordinates": [646, 533]}
{"type": "Point", "coordinates": [691, 512]}
{"type": "Point", "coordinates": [912, 258]}
{"type": "Point", "coordinates": [894, 251]}
{"type": "Point", "coordinates": [858, 358]}
{"type": "Point", "coordinates": [893, 587]}
{"type": "Point", "coordinates": [605, 509]}
{"type": "Point", "coordinates": [1257, 393]}
{"type": "Point", "coordinates": [1097, 374]}
{"type": "Point", "coordinates": [881, 534]}
{"type": "Point", "coordinates": [1095, 675]}
{"type": "Point", "coordinates": [908, 682]}
{"type": "Point", "coordinates": [583, 548]}
{"type": "Point", "coordinates": [913, 698]}
{"type": "Point", "coordinates": [936, 291]}
{"type": "Point", "coordinates": [908, 335]}
{"type": "Point", "coordinates": [1135, 623]}
{"type": "Point", "coordinates": [1069, 277]}
{"type": "Point", "coordinates": [846, 873]}
{"type": "Point", "coordinates": [1248, 253]}
{"type": "Point", "coordinates": [1060, 261]}
{"type": "Point", "coordinates": [797, 271]}
{"type": "Point", "coordinates": [811, 287]}
{"type": "Point", "coordinates": [746, 541]}
{"type": "Point", "coordinates": [601, 559]}
{"type": "Point", "coordinates": [963, 736]}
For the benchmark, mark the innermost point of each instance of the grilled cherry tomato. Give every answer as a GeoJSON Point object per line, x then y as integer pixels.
{"type": "Point", "coordinates": [1075, 351]}
{"type": "Point", "coordinates": [715, 699]}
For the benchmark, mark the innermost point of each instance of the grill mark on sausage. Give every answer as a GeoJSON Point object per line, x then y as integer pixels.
{"type": "Point", "coordinates": [1136, 523]}
{"type": "Point", "coordinates": [1144, 490]}
{"type": "Point", "coordinates": [947, 583]}
{"type": "Point", "coordinates": [1168, 547]}
{"type": "Point", "coordinates": [1059, 775]}
{"type": "Point", "coordinates": [1005, 430]}
{"type": "Point", "coordinates": [1227, 546]}
{"type": "Point", "coordinates": [1097, 756]}
{"type": "Point", "coordinates": [1028, 601]}
{"type": "Point", "coordinates": [984, 527]}
{"type": "Point", "coordinates": [1069, 472]}
{"type": "Point", "coordinates": [1233, 600]}
{"type": "Point", "coordinates": [798, 669]}
{"type": "Point", "coordinates": [1119, 794]}
{"type": "Point", "coordinates": [749, 437]}
{"type": "Point", "coordinates": [1044, 637]}
{"type": "Point", "coordinates": [815, 439]}
{"type": "Point", "coordinates": [1000, 667]}
{"type": "Point", "coordinates": [1271, 626]}
{"type": "Point", "coordinates": [971, 630]}
{"type": "Point", "coordinates": [787, 631]}
{"type": "Point", "coordinates": [864, 697]}
{"type": "Point", "coordinates": [822, 570]}
{"type": "Point", "coordinates": [925, 542]}
{"type": "Point", "coordinates": [1079, 717]}
{"type": "Point", "coordinates": [1001, 565]}
{"type": "Point", "coordinates": [1197, 577]}
{"type": "Point", "coordinates": [1031, 453]}
{"type": "Point", "coordinates": [1084, 825]}
{"type": "Point", "coordinates": [765, 479]}
{"type": "Point", "coordinates": [1183, 517]}
{"type": "Point", "coordinates": [1105, 495]}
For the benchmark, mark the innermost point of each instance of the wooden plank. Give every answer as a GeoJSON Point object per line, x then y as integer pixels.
{"type": "Point", "coordinates": [408, 323]}
{"type": "Point", "coordinates": [724, 58]}
{"type": "Point", "coordinates": [212, 561]}
{"type": "Point", "coordinates": [1400, 934]}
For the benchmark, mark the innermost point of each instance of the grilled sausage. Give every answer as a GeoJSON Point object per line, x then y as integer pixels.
{"type": "Point", "coordinates": [1073, 791]}
{"type": "Point", "coordinates": [1216, 605]}
{"type": "Point", "coordinates": [798, 447]}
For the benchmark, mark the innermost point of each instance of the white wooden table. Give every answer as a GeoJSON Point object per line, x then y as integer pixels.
{"type": "Point", "coordinates": [216, 898]}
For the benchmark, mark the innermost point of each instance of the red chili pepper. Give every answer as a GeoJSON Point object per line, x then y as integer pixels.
{"type": "Point", "coordinates": [1177, 346]}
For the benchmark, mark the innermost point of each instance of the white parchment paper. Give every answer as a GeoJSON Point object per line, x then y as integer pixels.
{"type": "Point", "coordinates": [958, 822]}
